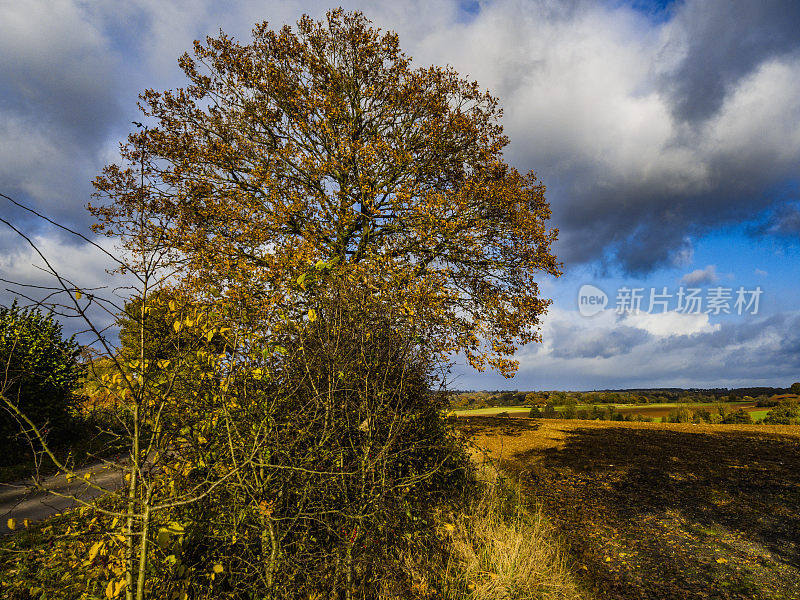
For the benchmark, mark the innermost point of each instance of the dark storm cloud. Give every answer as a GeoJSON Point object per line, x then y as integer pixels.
{"type": "Point", "coordinates": [58, 104]}
{"type": "Point", "coordinates": [572, 342]}
{"type": "Point", "coordinates": [725, 41]}
{"type": "Point", "coordinates": [649, 135]}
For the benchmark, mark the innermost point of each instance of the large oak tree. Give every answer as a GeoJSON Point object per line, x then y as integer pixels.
{"type": "Point", "coordinates": [324, 143]}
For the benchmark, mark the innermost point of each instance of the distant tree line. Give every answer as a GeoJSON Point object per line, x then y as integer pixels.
{"type": "Point", "coordinates": [484, 399]}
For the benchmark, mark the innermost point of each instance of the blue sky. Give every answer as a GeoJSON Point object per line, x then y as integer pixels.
{"type": "Point", "coordinates": [667, 133]}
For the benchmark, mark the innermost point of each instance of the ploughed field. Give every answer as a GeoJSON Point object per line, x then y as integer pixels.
{"type": "Point", "coordinates": [662, 511]}
{"type": "Point", "coordinates": [660, 411]}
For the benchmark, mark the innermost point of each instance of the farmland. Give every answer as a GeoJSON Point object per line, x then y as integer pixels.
{"type": "Point", "coordinates": [655, 411]}
{"type": "Point", "coordinates": [662, 511]}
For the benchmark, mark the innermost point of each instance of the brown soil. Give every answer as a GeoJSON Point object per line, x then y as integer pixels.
{"type": "Point", "coordinates": [656, 411]}
{"type": "Point", "coordinates": [663, 511]}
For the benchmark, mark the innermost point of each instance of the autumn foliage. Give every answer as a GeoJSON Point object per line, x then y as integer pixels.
{"type": "Point", "coordinates": [316, 227]}
{"type": "Point", "coordinates": [324, 143]}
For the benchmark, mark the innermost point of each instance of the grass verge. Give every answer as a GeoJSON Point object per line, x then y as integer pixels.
{"type": "Point", "coordinates": [500, 548]}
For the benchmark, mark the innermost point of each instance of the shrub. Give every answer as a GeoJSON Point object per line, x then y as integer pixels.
{"type": "Point", "coordinates": [41, 374]}
{"type": "Point", "coordinates": [535, 413]}
{"type": "Point", "coordinates": [679, 415]}
{"type": "Point", "coordinates": [569, 410]}
{"type": "Point", "coordinates": [355, 458]}
{"type": "Point", "coordinates": [739, 416]}
{"type": "Point", "coordinates": [786, 413]}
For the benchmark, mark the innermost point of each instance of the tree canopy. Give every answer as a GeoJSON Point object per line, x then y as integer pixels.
{"type": "Point", "coordinates": [324, 144]}
{"type": "Point", "coordinates": [40, 373]}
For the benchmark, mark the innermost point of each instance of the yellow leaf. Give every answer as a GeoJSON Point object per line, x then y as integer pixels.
{"type": "Point", "coordinates": [12, 524]}
{"type": "Point", "coordinates": [162, 538]}
{"type": "Point", "coordinates": [172, 306]}
{"type": "Point", "coordinates": [722, 560]}
{"type": "Point", "coordinates": [218, 569]}
{"type": "Point", "coordinates": [312, 315]}
{"type": "Point", "coordinates": [87, 476]}
{"type": "Point", "coordinates": [177, 326]}
{"type": "Point", "coordinates": [96, 547]}
{"type": "Point", "coordinates": [118, 587]}
{"type": "Point", "coordinates": [110, 590]}
{"type": "Point", "coordinates": [175, 527]}
{"type": "Point", "coordinates": [78, 294]}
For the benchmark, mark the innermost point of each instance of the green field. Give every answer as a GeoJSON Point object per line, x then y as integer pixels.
{"type": "Point", "coordinates": [656, 411]}
{"type": "Point", "coordinates": [517, 410]}
{"type": "Point", "coordinates": [492, 410]}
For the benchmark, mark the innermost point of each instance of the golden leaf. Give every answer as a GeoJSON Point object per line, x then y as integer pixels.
{"type": "Point", "coordinates": [96, 547]}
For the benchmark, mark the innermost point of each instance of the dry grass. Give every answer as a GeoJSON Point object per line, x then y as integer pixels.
{"type": "Point", "coordinates": [502, 550]}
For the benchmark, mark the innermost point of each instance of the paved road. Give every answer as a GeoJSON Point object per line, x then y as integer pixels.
{"type": "Point", "coordinates": [21, 501]}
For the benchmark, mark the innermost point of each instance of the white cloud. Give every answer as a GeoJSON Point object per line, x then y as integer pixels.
{"type": "Point", "coordinates": [669, 350]}
{"type": "Point", "coordinates": [701, 276]}
{"type": "Point", "coordinates": [27, 276]}
{"type": "Point", "coordinates": [670, 323]}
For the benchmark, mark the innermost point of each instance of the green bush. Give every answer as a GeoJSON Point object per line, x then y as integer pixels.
{"type": "Point", "coordinates": [701, 415]}
{"type": "Point", "coordinates": [679, 415]}
{"type": "Point", "coordinates": [737, 417]}
{"type": "Point", "coordinates": [40, 375]}
{"type": "Point", "coordinates": [786, 413]}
